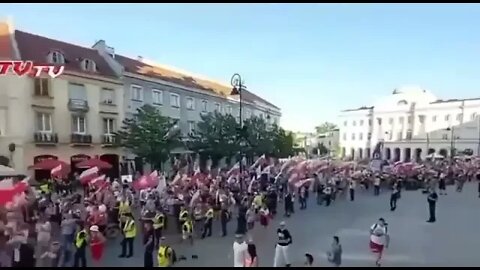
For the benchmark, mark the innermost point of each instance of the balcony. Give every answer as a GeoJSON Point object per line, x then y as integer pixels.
{"type": "Point", "coordinates": [45, 138]}
{"type": "Point", "coordinates": [78, 105]}
{"type": "Point", "coordinates": [81, 140]}
{"type": "Point", "coordinates": [109, 140]}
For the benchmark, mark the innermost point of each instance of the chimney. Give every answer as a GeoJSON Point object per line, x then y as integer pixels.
{"type": "Point", "coordinates": [140, 58]}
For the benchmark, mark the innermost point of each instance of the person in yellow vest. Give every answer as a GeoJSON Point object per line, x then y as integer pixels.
{"type": "Point", "coordinates": [45, 187]}
{"type": "Point", "coordinates": [123, 210]}
{"type": "Point", "coordinates": [207, 225]}
{"type": "Point", "coordinates": [182, 216]}
{"type": "Point", "coordinates": [166, 255]}
{"type": "Point", "coordinates": [129, 233]}
{"type": "Point", "coordinates": [158, 226]}
{"type": "Point", "coordinates": [187, 230]}
{"type": "Point", "coordinates": [79, 258]}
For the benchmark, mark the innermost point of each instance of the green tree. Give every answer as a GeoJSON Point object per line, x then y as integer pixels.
{"type": "Point", "coordinates": [282, 142]}
{"type": "Point", "coordinates": [325, 127]}
{"type": "Point", "coordinates": [149, 135]}
{"type": "Point", "coordinates": [215, 137]}
{"type": "Point", "coordinates": [259, 137]}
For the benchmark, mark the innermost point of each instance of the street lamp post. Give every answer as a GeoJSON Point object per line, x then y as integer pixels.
{"type": "Point", "coordinates": [238, 87]}
{"type": "Point", "coordinates": [452, 142]}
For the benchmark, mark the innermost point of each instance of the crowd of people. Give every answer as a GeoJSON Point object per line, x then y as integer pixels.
{"type": "Point", "coordinates": [57, 225]}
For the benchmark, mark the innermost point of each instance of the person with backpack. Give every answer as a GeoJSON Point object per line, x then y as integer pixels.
{"type": "Point", "coordinates": [166, 255]}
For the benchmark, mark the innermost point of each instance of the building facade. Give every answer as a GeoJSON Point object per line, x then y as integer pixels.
{"type": "Point", "coordinates": [74, 116]}
{"type": "Point", "coordinates": [410, 124]}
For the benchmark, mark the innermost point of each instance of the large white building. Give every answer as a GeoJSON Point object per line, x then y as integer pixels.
{"type": "Point", "coordinates": [410, 124]}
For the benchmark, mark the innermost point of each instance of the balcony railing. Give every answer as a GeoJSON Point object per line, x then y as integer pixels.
{"type": "Point", "coordinates": [81, 139]}
{"type": "Point", "coordinates": [46, 138]}
{"type": "Point", "coordinates": [109, 139]}
{"type": "Point", "coordinates": [78, 105]}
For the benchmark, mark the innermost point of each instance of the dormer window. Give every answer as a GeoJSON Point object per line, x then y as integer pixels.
{"type": "Point", "coordinates": [56, 57]}
{"type": "Point", "coordinates": [89, 65]}
{"type": "Point", "coordinates": [402, 102]}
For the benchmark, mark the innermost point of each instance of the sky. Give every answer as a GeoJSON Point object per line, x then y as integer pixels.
{"type": "Point", "coordinates": [311, 60]}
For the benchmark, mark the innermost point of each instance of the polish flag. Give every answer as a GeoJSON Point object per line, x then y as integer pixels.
{"type": "Point", "coordinates": [257, 162]}
{"type": "Point", "coordinates": [56, 172]}
{"type": "Point", "coordinates": [234, 170]}
{"type": "Point", "coordinates": [88, 175]}
{"type": "Point", "coordinates": [97, 180]}
{"type": "Point", "coordinates": [9, 190]}
{"type": "Point", "coordinates": [267, 169]}
{"type": "Point", "coordinates": [301, 183]}
{"type": "Point", "coordinates": [154, 179]}
{"type": "Point", "coordinates": [162, 184]}
{"type": "Point", "coordinates": [195, 198]}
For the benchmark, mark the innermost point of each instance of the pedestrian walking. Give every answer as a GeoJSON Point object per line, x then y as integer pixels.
{"type": "Point", "coordinates": [379, 239]}
{"type": "Point", "coordinates": [281, 258]}
{"type": "Point", "coordinates": [97, 244]}
{"type": "Point", "coordinates": [394, 197]}
{"type": "Point", "coordinates": [335, 254]}
{"type": "Point", "coordinates": [351, 189]}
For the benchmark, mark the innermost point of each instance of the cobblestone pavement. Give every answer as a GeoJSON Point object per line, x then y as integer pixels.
{"type": "Point", "coordinates": [451, 241]}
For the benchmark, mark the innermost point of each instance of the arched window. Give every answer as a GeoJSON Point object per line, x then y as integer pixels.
{"type": "Point", "coordinates": [402, 102]}
{"type": "Point", "coordinates": [89, 65]}
{"type": "Point", "coordinates": [56, 57]}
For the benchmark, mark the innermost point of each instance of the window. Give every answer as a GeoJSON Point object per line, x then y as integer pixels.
{"type": "Point", "coordinates": [434, 118]}
{"type": "Point", "coordinates": [190, 103]}
{"type": "Point", "coordinates": [44, 122]}
{"type": "Point", "coordinates": [354, 123]}
{"type": "Point", "coordinates": [353, 136]}
{"type": "Point", "coordinates": [409, 134]}
{"type": "Point", "coordinates": [369, 122]}
{"type": "Point", "coordinates": [217, 107]}
{"type": "Point", "coordinates": [344, 136]}
{"type": "Point", "coordinates": [399, 135]}
{"type": "Point", "coordinates": [459, 117]}
{"type": "Point", "coordinates": [157, 97]}
{"type": "Point", "coordinates": [108, 125]}
{"type": "Point", "coordinates": [89, 65]}
{"type": "Point", "coordinates": [56, 58]}
{"type": "Point", "coordinates": [409, 120]}
{"type": "Point", "coordinates": [41, 87]}
{"type": "Point", "coordinates": [473, 116]}
{"type": "Point", "coordinates": [360, 136]}
{"type": "Point", "coordinates": [369, 136]}
{"type": "Point", "coordinates": [77, 91]}
{"type": "Point", "coordinates": [191, 127]}
{"type": "Point", "coordinates": [204, 106]}
{"type": "Point", "coordinates": [421, 119]}
{"type": "Point", "coordinates": [137, 93]}
{"type": "Point", "coordinates": [390, 121]}
{"type": "Point", "coordinates": [345, 123]}
{"type": "Point", "coordinates": [175, 100]}
{"type": "Point", "coordinates": [361, 122]}
{"type": "Point", "coordinates": [444, 136]}
{"type": "Point", "coordinates": [79, 124]}
{"type": "Point", "coordinates": [229, 110]}
{"type": "Point", "coordinates": [108, 96]}
{"type": "Point", "coordinates": [447, 117]}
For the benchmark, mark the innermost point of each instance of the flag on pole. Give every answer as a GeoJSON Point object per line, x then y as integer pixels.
{"type": "Point", "coordinates": [88, 175]}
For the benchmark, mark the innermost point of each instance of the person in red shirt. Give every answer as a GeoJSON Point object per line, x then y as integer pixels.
{"type": "Point", "coordinates": [97, 244]}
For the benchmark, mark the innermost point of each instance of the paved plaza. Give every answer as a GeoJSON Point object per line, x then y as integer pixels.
{"type": "Point", "coordinates": [451, 241]}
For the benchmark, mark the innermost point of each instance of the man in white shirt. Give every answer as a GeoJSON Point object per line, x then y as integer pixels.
{"type": "Point", "coordinates": [240, 248]}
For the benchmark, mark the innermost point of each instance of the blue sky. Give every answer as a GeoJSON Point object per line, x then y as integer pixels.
{"type": "Point", "coordinates": [312, 60]}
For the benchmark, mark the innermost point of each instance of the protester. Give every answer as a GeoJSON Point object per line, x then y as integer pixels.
{"type": "Point", "coordinates": [379, 239]}
{"type": "Point", "coordinates": [282, 248]}
{"type": "Point", "coordinates": [97, 244]}
{"type": "Point", "coordinates": [432, 202]}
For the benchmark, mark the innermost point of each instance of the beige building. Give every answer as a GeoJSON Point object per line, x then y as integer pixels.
{"type": "Point", "coordinates": [69, 118]}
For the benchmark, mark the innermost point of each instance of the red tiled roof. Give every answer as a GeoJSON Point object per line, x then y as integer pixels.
{"type": "Point", "coordinates": [162, 73]}
{"type": "Point", "coordinates": [36, 48]}
{"type": "Point", "coordinates": [6, 50]}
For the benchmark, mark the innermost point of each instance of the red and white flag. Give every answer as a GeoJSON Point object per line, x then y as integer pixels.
{"type": "Point", "coordinates": [234, 170]}
{"type": "Point", "coordinates": [88, 175]}
{"type": "Point", "coordinates": [195, 198]}
{"type": "Point", "coordinates": [56, 172]}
